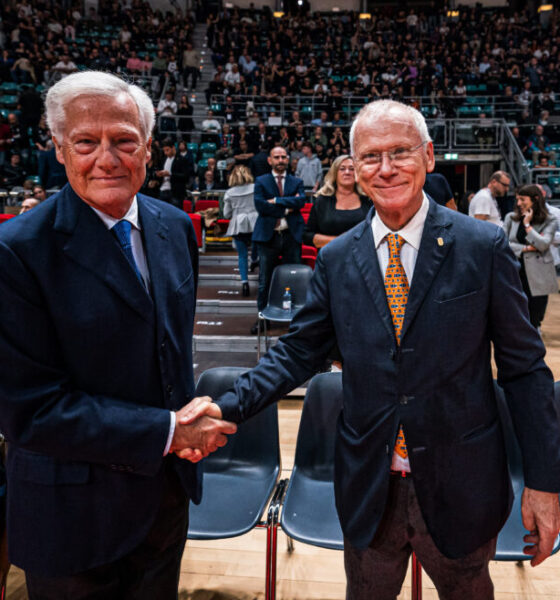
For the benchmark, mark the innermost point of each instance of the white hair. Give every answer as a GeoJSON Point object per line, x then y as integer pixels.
{"type": "Point", "coordinates": [384, 109]}
{"type": "Point", "coordinates": [95, 83]}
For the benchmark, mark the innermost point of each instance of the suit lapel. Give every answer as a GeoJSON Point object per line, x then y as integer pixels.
{"type": "Point", "coordinates": [156, 245]}
{"type": "Point", "coordinates": [365, 256]}
{"type": "Point", "coordinates": [436, 242]}
{"type": "Point", "coordinates": [90, 244]}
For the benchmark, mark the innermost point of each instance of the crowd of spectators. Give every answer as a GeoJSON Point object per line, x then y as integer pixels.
{"type": "Point", "coordinates": [267, 66]}
{"type": "Point", "coordinates": [263, 64]}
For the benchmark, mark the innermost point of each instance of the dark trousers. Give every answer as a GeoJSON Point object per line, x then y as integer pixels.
{"type": "Point", "coordinates": [194, 73]}
{"type": "Point", "coordinates": [537, 304]}
{"type": "Point", "coordinates": [378, 572]}
{"type": "Point", "coordinates": [281, 244]}
{"type": "Point", "coordinates": [150, 571]}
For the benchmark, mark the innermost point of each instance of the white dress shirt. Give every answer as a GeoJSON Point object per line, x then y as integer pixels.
{"type": "Point", "coordinates": [140, 258]}
{"type": "Point", "coordinates": [166, 185]}
{"type": "Point", "coordinates": [412, 235]}
{"type": "Point", "coordinates": [282, 223]}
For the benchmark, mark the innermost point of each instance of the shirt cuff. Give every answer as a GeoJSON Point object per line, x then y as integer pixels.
{"type": "Point", "coordinates": [172, 419]}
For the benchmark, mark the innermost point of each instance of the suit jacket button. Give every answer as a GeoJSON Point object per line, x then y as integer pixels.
{"type": "Point", "coordinates": [404, 399]}
{"type": "Point", "coordinates": [169, 389]}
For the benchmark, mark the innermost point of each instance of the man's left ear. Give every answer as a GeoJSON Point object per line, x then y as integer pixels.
{"type": "Point", "coordinates": [430, 159]}
{"type": "Point", "coordinates": [148, 149]}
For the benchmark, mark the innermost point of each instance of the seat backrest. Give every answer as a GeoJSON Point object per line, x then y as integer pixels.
{"type": "Point", "coordinates": [204, 204]}
{"type": "Point", "coordinates": [296, 277]}
{"type": "Point", "coordinates": [515, 461]}
{"type": "Point", "coordinates": [256, 440]}
{"type": "Point", "coordinates": [317, 429]}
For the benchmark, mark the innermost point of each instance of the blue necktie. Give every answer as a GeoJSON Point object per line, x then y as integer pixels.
{"type": "Point", "coordinates": [122, 232]}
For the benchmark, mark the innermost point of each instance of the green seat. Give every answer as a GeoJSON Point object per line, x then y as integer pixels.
{"type": "Point", "coordinates": [8, 101]}
{"type": "Point", "coordinates": [217, 108]}
{"type": "Point", "coordinates": [193, 147]}
{"type": "Point", "coordinates": [206, 155]}
{"type": "Point", "coordinates": [554, 183]}
{"type": "Point", "coordinates": [35, 179]}
{"type": "Point", "coordinates": [8, 86]}
{"type": "Point", "coordinates": [208, 147]}
{"type": "Point", "coordinates": [203, 162]}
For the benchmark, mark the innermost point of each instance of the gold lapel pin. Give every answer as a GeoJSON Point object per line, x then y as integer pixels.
{"type": "Point", "coordinates": [440, 241]}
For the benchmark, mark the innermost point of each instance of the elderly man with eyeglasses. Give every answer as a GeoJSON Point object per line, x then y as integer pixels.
{"type": "Point", "coordinates": [415, 296]}
{"type": "Point", "coordinates": [484, 206]}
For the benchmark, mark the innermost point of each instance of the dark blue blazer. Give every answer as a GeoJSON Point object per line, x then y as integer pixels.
{"type": "Point", "coordinates": [465, 296]}
{"type": "Point", "coordinates": [90, 366]}
{"type": "Point", "coordinates": [293, 198]}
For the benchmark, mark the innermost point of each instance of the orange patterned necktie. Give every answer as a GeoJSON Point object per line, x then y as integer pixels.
{"type": "Point", "coordinates": [396, 289]}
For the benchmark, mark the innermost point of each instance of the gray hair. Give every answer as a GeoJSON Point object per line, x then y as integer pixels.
{"type": "Point", "coordinates": [95, 83]}
{"type": "Point", "coordinates": [383, 109]}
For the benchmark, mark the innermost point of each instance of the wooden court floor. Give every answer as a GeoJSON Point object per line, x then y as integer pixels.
{"type": "Point", "coordinates": [235, 569]}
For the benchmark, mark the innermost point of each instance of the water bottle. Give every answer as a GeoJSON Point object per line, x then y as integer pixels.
{"type": "Point", "coordinates": [287, 300]}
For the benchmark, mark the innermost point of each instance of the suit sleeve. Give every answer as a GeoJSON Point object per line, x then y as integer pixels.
{"type": "Point", "coordinates": [265, 208]}
{"type": "Point", "coordinates": [541, 241]}
{"type": "Point", "coordinates": [523, 374]}
{"type": "Point", "coordinates": [294, 359]}
{"type": "Point", "coordinates": [296, 201]}
{"type": "Point", "coordinates": [42, 409]}
{"type": "Point", "coordinates": [516, 247]}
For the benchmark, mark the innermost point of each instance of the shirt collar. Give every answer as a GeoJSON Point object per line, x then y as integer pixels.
{"type": "Point", "coordinates": [411, 232]}
{"type": "Point", "coordinates": [276, 175]}
{"type": "Point", "coordinates": [131, 216]}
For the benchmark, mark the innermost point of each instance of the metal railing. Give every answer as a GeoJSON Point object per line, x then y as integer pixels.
{"type": "Point", "coordinates": [311, 106]}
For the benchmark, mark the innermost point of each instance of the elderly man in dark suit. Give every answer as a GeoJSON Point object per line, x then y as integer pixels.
{"type": "Point", "coordinates": [415, 297]}
{"type": "Point", "coordinates": [279, 227]}
{"type": "Point", "coordinates": [97, 292]}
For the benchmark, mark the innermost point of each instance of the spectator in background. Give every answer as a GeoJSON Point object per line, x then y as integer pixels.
{"type": "Point", "coordinates": [279, 227]}
{"type": "Point", "coordinates": [239, 207]}
{"type": "Point", "coordinates": [28, 204]}
{"type": "Point", "coordinates": [338, 205]}
{"type": "Point", "coordinates": [176, 174]}
{"type": "Point", "coordinates": [39, 193]}
{"type": "Point", "coordinates": [438, 188]}
{"type": "Point", "coordinates": [530, 230]}
{"type": "Point", "coordinates": [309, 168]}
{"type": "Point", "coordinates": [14, 172]}
{"type": "Point", "coordinates": [259, 164]}
{"type": "Point", "coordinates": [538, 144]}
{"type": "Point", "coordinates": [64, 66]}
{"type": "Point", "coordinates": [484, 206]}
{"type": "Point", "coordinates": [166, 111]}
{"type": "Point", "coordinates": [191, 65]}
{"type": "Point", "coordinates": [185, 111]}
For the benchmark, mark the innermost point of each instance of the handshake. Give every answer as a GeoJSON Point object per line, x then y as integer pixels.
{"type": "Point", "coordinates": [199, 429]}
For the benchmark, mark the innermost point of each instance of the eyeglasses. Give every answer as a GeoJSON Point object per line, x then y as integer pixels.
{"type": "Point", "coordinates": [397, 157]}
{"type": "Point", "coordinates": [506, 185]}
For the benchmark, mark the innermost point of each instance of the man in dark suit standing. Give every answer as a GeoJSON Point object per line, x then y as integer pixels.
{"type": "Point", "coordinates": [415, 297]}
{"type": "Point", "coordinates": [177, 173]}
{"type": "Point", "coordinates": [97, 289]}
{"type": "Point", "coordinates": [279, 227]}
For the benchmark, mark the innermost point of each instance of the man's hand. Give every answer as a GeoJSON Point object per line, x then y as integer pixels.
{"type": "Point", "coordinates": [200, 430]}
{"type": "Point", "coordinates": [540, 512]}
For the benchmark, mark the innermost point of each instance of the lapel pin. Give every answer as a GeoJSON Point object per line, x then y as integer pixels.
{"type": "Point", "coordinates": [440, 241]}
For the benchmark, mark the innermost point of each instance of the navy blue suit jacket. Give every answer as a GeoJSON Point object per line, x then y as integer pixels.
{"type": "Point", "coordinates": [293, 198]}
{"type": "Point", "coordinates": [90, 366]}
{"type": "Point", "coordinates": [465, 295]}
